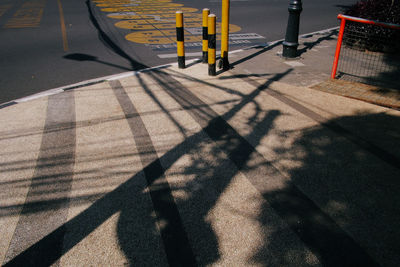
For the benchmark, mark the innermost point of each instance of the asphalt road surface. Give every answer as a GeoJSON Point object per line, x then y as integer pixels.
{"type": "Point", "coordinates": [51, 43]}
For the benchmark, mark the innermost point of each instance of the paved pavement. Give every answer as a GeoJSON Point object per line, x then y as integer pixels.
{"type": "Point", "coordinates": [174, 167]}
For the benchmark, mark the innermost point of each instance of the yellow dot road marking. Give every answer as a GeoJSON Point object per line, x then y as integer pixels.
{"type": "Point", "coordinates": [138, 2]}
{"type": "Point", "coordinates": [149, 20]}
{"type": "Point", "coordinates": [131, 15]}
{"type": "Point", "coordinates": [142, 24]}
{"type": "Point", "coordinates": [138, 5]}
{"type": "Point", "coordinates": [154, 21]}
{"type": "Point", "coordinates": [156, 33]}
{"type": "Point", "coordinates": [159, 17]}
{"type": "Point", "coordinates": [148, 10]}
{"type": "Point", "coordinates": [163, 36]}
{"type": "Point", "coordinates": [153, 24]}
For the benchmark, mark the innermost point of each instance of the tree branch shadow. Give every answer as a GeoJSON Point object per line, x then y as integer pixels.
{"type": "Point", "coordinates": [137, 230]}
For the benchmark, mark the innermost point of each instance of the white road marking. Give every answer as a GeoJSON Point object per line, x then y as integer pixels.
{"type": "Point", "coordinates": [194, 54]}
{"type": "Point", "coordinates": [247, 36]}
{"type": "Point", "coordinates": [321, 31]}
{"type": "Point", "coordinates": [121, 14]}
{"type": "Point", "coordinates": [39, 95]}
{"type": "Point", "coordinates": [294, 63]}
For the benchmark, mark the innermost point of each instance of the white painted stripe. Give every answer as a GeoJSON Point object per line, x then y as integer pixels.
{"type": "Point", "coordinates": [245, 36]}
{"type": "Point", "coordinates": [195, 54]}
{"type": "Point", "coordinates": [173, 55]}
{"type": "Point", "coordinates": [321, 31]}
{"type": "Point", "coordinates": [294, 63]}
{"type": "Point", "coordinates": [39, 95]}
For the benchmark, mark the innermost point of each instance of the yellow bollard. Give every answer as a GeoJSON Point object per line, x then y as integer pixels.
{"type": "Point", "coordinates": [206, 12]}
{"type": "Point", "coordinates": [224, 63]}
{"type": "Point", "coordinates": [180, 40]}
{"type": "Point", "coordinates": [211, 44]}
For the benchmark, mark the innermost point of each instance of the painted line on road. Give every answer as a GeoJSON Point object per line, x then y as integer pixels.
{"type": "Point", "coordinates": [4, 9]}
{"type": "Point", "coordinates": [38, 95]}
{"type": "Point", "coordinates": [63, 30]}
{"type": "Point", "coordinates": [132, 73]}
{"type": "Point", "coordinates": [29, 15]}
{"type": "Point", "coordinates": [173, 55]}
{"type": "Point", "coordinates": [321, 31]}
{"type": "Point", "coordinates": [218, 1]}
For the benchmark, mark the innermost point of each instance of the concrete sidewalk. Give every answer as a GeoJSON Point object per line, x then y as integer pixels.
{"type": "Point", "coordinates": [173, 167]}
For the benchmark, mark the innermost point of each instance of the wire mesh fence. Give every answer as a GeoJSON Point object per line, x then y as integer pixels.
{"type": "Point", "coordinates": [370, 54]}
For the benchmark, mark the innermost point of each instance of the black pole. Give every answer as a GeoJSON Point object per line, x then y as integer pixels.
{"type": "Point", "coordinates": [292, 31]}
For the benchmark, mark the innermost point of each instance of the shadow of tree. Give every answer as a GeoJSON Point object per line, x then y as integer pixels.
{"type": "Point", "coordinates": [141, 223]}
{"type": "Point", "coordinates": [344, 188]}
{"type": "Point", "coordinates": [355, 190]}
{"type": "Point", "coordinates": [310, 45]}
{"type": "Point", "coordinates": [331, 203]}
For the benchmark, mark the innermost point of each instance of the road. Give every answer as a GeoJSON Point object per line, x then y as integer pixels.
{"type": "Point", "coordinates": [51, 43]}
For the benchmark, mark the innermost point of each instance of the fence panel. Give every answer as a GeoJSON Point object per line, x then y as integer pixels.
{"type": "Point", "coordinates": [369, 52]}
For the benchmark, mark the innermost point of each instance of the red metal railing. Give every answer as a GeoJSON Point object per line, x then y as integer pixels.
{"type": "Point", "coordinates": [345, 18]}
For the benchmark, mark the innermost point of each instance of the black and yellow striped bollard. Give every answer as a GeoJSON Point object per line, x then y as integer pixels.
{"type": "Point", "coordinates": [180, 40]}
{"type": "Point", "coordinates": [211, 45]}
{"type": "Point", "coordinates": [224, 63]}
{"type": "Point", "coordinates": [206, 12]}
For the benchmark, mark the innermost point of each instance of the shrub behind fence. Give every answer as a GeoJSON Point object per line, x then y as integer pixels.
{"type": "Point", "coordinates": [368, 51]}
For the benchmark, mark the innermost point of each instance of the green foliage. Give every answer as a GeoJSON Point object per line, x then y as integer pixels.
{"type": "Point", "coordinates": [381, 10]}
{"type": "Point", "coordinates": [374, 38]}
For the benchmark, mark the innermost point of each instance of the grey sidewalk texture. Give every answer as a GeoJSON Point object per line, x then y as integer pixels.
{"type": "Point", "coordinates": [172, 167]}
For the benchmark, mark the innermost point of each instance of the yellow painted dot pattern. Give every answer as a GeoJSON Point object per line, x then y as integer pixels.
{"type": "Point", "coordinates": [153, 21]}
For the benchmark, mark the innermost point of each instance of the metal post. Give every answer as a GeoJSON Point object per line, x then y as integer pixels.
{"type": "Point", "coordinates": [206, 12]}
{"type": "Point", "coordinates": [292, 31]}
{"type": "Point", "coordinates": [224, 63]}
{"type": "Point", "coordinates": [180, 40]}
{"type": "Point", "coordinates": [211, 45]}
{"type": "Point", "coordinates": [338, 47]}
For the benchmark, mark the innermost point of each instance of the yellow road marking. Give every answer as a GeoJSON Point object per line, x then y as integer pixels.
{"type": "Point", "coordinates": [137, 5]}
{"type": "Point", "coordinates": [29, 15]}
{"type": "Point", "coordinates": [3, 9]}
{"type": "Point", "coordinates": [126, 24]}
{"type": "Point", "coordinates": [149, 24]}
{"type": "Point", "coordinates": [162, 37]}
{"type": "Point", "coordinates": [147, 10]}
{"type": "Point", "coordinates": [169, 17]}
{"type": "Point", "coordinates": [154, 22]}
{"type": "Point", "coordinates": [135, 2]}
{"type": "Point", "coordinates": [138, 25]}
{"type": "Point", "coordinates": [63, 30]}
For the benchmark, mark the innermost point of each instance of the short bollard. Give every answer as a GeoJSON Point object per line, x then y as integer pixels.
{"type": "Point", "coordinates": [206, 12]}
{"type": "Point", "coordinates": [292, 31]}
{"type": "Point", "coordinates": [211, 45]}
{"type": "Point", "coordinates": [224, 63]}
{"type": "Point", "coordinates": [180, 40]}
